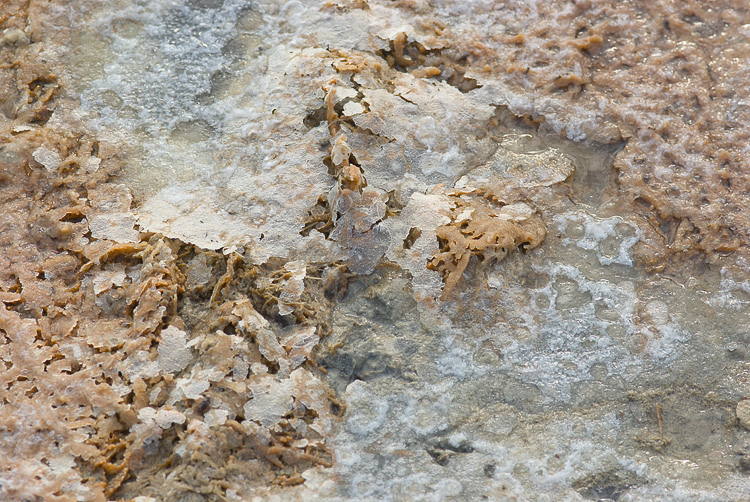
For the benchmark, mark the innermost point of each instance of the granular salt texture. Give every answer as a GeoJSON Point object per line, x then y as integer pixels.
{"type": "Point", "coordinates": [90, 328]}
{"type": "Point", "coordinates": [270, 401]}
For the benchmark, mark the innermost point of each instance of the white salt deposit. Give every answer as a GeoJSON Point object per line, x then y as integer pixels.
{"type": "Point", "coordinates": [549, 376]}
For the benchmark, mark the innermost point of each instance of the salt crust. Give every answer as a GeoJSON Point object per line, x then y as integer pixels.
{"type": "Point", "coordinates": [153, 301]}
{"type": "Point", "coordinates": [414, 122]}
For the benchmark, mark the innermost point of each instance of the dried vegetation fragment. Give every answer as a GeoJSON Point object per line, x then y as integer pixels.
{"type": "Point", "coordinates": [483, 228]}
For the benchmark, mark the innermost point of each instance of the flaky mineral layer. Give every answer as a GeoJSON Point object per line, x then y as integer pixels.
{"type": "Point", "coordinates": [187, 189]}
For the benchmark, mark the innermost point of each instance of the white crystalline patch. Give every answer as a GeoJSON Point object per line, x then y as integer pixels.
{"type": "Point", "coordinates": [285, 307]}
{"type": "Point", "coordinates": [352, 108]}
{"type": "Point", "coordinates": [465, 214]}
{"type": "Point", "coordinates": [194, 216]}
{"type": "Point", "coordinates": [141, 366]}
{"type": "Point", "coordinates": [193, 388]}
{"type": "Point", "coordinates": [165, 418]}
{"type": "Point", "coordinates": [516, 212]}
{"type": "Point", "coordinates": [344, 92]}
{"type": "Point", "coordinates": [258, 369]}
{"type": "Point", "coordinates": [596, 231]}
{"type": "Point", "coordinates": [359, 230]}
{"type": "Point", "coordinates": [496, 280]}
{"type": "Point", "coordinates": [113, 219]}
{"type": "Point", "coordinates": [366, 412]}
{"type": "Point", "coordinates": [507, 168]}
{"type": "Point", "coordinates": [216, 417]}
{"type": "Point", "coordinates": [425, 213]}
{"type": "Point", "coordinates": [272, 399]}
{"type": "Point", "coordinates": [240, 369]}
{"type": "Point", "coordinates": [116, 227]}
{"type": "Point", "coordinates": [122, 390]}
{"type": "Point", "coordinates": [50, 159]}
{"type": "Point", "coordinates": [146, 413]}
{"type": "Point", "coordinates": [62, 462]}
{"type": "Point", "coordinates": [282, 174]}
{"type": "Point", "coordinates": [309, 390]}
{"type": "Point", "coordinates": [92, 164]}
{"type": "Point", "coordinates": [153, 396]}
{"type": "Point", "coordinates": [174, 354]}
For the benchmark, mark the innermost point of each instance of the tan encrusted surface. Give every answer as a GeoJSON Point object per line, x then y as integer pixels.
{"type": "Point", "coordinates": [103, 383]}
{"type": "Point", "coordinates": [668, 77]}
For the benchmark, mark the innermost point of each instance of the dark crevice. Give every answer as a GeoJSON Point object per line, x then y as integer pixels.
{"type": "Point", "coordinates": [318, 218]}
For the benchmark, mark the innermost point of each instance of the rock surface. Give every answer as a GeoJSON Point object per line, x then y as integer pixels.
{"type": "Point", "coordinates": [374, 250]}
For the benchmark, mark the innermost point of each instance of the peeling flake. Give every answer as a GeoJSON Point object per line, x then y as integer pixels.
{"type": "Point", "coordinates": [164, 418]}
{"type": "Point", "coordinates": [174, 354]}
{"type": "Point", "coordinates": [300, 344]}
{"type": "Point", "coordinates": [272, 399]}
{"type": "Point", "coordinates": [50, 159]}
